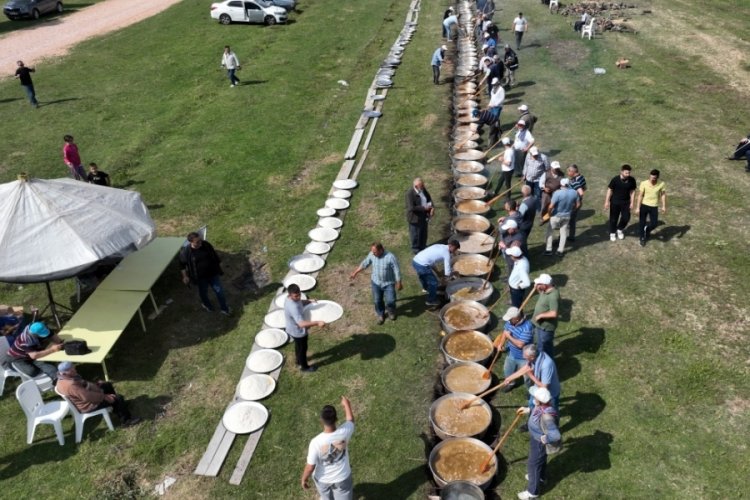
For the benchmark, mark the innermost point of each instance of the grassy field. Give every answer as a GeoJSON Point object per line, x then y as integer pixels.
{"type": "Point", "coordinates": [651, 351]}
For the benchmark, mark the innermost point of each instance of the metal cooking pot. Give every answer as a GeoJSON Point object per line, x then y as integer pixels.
{"type": "Point", "coordinates": [463, 396]}
{"type": "Point", "coordinates": [470, 223]}
{"type": "Point", "coordinates": [471, 180]}
{"type": "Point", "coordinates": [468, 193]}
{"type": "Point", "coordinates": [481, 384]}
{"type": "Point", "coordinates": [471, 207]}
{"type": "Point", "coordinates": [474, 243]}
{"type": "Point", "coordinates": [483, 292]}
{"type": "Point", "coordinates": [467, 167]}
{"type": "Point", "coordinates": [465, 145]}
{"type": "Point", "coordinates": [478, 263]}
{"type": "Point", "coordinates": [478, 316]}
{"type": "Point", "coordinates": [471, 155]}
{"type": "Point", "coordinates": [477, 337]}
{"type": "Point", "coordinates": [485, 450]}
{"type": "Point", "coordinates": [461, 490]}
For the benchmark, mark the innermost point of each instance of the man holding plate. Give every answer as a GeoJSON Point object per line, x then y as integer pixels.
{"type": "Point", "coordinates": [296, 325]}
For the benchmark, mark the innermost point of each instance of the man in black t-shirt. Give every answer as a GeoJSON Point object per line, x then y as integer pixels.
{"type": "Point", "coordinates": [96, 176]}
{"type": "Point", "coordinates": [24, 74]}
{"type": "Point", "coordinates": [201, 265]}
{"type": "Point", "coordinates": [619, 201]}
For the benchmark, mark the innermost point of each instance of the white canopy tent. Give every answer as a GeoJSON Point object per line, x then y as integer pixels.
{"type": "Point", "coordinates": [55, 229]}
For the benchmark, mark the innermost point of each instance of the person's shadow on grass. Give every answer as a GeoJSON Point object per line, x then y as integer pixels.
{"type": "Point", "coordinates": [401, 487]}
{"type": "Point", "coordinates": [664, 234]}
{"type": "Point", "coordinates": [583, 407]}
{"type": "Point", "coordinates": [583, 454]}
{"type": "Point", "coordinates": [367, 345]}
{"type": "Point", "coordinates": [589, 340]}
{"type": "Point", "coordinates": [42, 451]}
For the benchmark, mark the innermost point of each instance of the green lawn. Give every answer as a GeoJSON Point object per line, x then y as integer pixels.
{"type": "Point", "coordinates": [651, 348]}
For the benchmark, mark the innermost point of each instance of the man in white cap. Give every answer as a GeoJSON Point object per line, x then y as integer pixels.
{"type": "Point", "coordinates": [527, 117]}
{"type": "Point", "coordinates": [519, 280]}
{"type": "Point", "coordinates": [517, 332]}
{"type": "Point", "coordinates": [510, 236]}
{"type": "Point", "coordinates": [534, 165]}
{"type": "Point", "coordinates": [564, 202]}
{"type": "Point", "coordinates": [546, 313]}
{"type": "Point", "coordinates": [521, 143]}
{"type": "Point", "coordinates": [506, 168]}
{"type": "Point", "coordinates": [437, 61]}
{"type": "Point", "coordinates": [544, 435]}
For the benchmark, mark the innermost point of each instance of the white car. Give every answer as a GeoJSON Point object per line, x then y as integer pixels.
{"type": "Point", "coordinates": [244, 11]}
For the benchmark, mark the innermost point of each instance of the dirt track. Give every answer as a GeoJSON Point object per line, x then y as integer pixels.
{"type": "Point", "coordinates": [55, 39]}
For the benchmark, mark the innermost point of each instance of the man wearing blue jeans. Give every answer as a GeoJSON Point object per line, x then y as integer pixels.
{"type": "Point", "coordinates": [201, 266]}
{"type": "Point", "coordinates": [385, 280]}
{"type": "Point", "coordinates": [517, 332]}
{"type": "Point", "coordinates": [546, 313]}
{"type": "Point", "coordinates": [23, 73]}
{"type": "Point", "coordinates": [231, 63]}
{"type": "Point", "coordinates": [423, 262]}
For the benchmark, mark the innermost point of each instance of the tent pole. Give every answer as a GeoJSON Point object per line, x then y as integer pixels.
{"type": "Point", "coordinates": [52, 305]}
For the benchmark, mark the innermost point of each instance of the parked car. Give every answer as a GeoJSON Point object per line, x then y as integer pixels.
{"type": "Point", "coordinates": [286, 4]}
{"type": "Point", "coordinates": [238, 11]}
{"type": "Point", "coordinates": [18, 9]}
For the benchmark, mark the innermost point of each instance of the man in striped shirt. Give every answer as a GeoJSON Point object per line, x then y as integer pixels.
{"type": "Point", "coordinates": [578, 184]}
{"type": "Point", "coordinates": [384, 281]}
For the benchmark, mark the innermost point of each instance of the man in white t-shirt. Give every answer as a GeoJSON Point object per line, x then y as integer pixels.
{"type": "Point", "coordinates": [520, 26]}
{"type": "Point", "coordinates": [328, 456]}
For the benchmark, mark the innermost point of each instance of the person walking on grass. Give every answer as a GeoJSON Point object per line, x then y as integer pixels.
{"type": "Point", "coordinates": [230, 62]}
{"type": "Point", "coordinates": [546, 313]}
{"type": "Point", "coordinates": [619, 201]}
{"type": "Point", "coordinates": [419, 209]}
{"type": "Point", "coordinates": [201, 266]}
{"type": "Point", "coordinates": [650, 194]}
{"type": "Point", "coordinates": [385, 280]}
{"type": "Point", "coordinates": [578, 184]}
{"type": "Point", "coordinates": [328, 456]}
{"type": "Point", "coordinates": [437, 61]}
{"type": "Point", "coordinates": [564, 202]}
{"type": "Point", "coordinates": [297, 325]}
{"type": "Point", "coordinates": [520, 26]}
{"type": "Point", "coordinates": [23, 73]}
{"type": "Point", "coordinates": [72, 159]}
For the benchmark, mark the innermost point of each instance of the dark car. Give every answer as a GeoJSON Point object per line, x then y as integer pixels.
{"type": "Point", "coordinates": [19, 9]}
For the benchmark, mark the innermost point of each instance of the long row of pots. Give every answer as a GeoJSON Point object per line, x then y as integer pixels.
{"type": "Point", "coordinates": [456, 461]}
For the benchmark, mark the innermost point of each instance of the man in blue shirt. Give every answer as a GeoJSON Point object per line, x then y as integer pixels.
{"type": "Point", "coordinates": [564, 202]}
{"type": "Point", "coordinates": [541, 371]}
{"type": "Point", "coordinates": [384, 281]}
{"type": "Point", "coordinates": [517, 332]}
{"type": "Point", "coordinates": [437, 60]}
{"type": "Point", "coordinates": [423, 262]}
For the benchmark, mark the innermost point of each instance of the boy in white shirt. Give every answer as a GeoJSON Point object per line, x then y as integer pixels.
{"type": "Point", "coordinates": [328, 456]}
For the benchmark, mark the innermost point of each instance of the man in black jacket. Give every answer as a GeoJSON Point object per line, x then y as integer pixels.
{"type": "Point", "coordinates": [201, 265]}
{"type": "Point", "coordinates": [742, 152]}
{"type": "Point", "coordinates": [419, 209]}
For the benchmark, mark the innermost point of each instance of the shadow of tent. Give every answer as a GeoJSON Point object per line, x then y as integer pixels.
{"type": "Point", "coordinates": [148, 408]}
{"type": "Point", "coordinates": [401, 487]}
{"type": "Point", "coordinates": [582, 454]}
{"type": "Point", "coordinates": [367, 345]}
{"type": "Point", "coordinates": [583, 407]}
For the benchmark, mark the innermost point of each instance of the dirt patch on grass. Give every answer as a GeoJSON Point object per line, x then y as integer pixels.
{"type": "Point", "coordinates": [429, 121]}
{"type": "Point", "coordinates": [310, 166]}
{"type": "Point", "coordinates": [177, 226]}
{"type": "Point", "coordinates": [368, 214]}
{"type": "Point", "coordinates": [352, 295]}
{"type": "Point", "coordinates": [568, 54]}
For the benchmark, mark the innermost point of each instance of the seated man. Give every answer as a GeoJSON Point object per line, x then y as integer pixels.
{"type": "Point", "coordinates": [742, 152]}
{"type": "Point", "coordinates": [89, 396]}
{"type": "Point", "coordinates": [34, 342]}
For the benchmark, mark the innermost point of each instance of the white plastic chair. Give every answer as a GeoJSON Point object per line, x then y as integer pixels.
{"type": "Point", "coordinates": [554, 5]}
{"type": "Point", "coordinates": [42, 381]}
{"type": "Point", "coordinates": [38, 412]}
{"type": "Point", "coordinates": [5, 372]}
{"type": "Point", "coordinates": [80, 418]}
{"type": "Point", "coordinates": [588, 29]}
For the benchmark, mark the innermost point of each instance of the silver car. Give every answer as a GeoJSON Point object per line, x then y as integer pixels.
{"type": "Point", "coordinates": [18, 9]}
{"type": "Point", "coordinates": [239, 11]}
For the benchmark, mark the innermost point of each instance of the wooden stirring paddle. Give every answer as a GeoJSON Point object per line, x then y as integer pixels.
{"type": "Point", "coordinates": [486, 465]}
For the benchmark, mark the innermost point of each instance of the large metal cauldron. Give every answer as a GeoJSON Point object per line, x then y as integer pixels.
{"type": "Point", "coordinates": [467, 345]}
{"type": "Point", "coordinates": [464, 315]}
{"type": "Point", "coordinates": [480, 290]}
{"type": "Point", "coordinates": [480, 451]}
{"type": "Point", "coordinates": [461, 490]}
{"type": "Point", "coordinates": [470, 224]}
{"type": "Point", "coordinates": [479, 410]}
